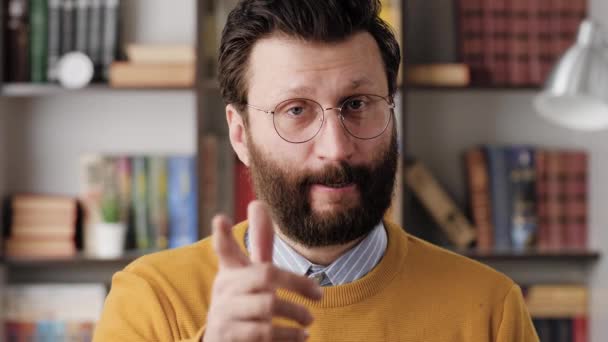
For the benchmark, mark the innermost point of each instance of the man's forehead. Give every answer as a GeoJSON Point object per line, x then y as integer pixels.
{"type": "Point", "coordinates": [296, 67]}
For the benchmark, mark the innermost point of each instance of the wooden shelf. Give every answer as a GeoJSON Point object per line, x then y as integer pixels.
{"type": "Point", "coordinates": [78, 260]}
{"type": "Point", "coordinates": [533, 255]}
{"type": "Point", "coordinates": [32, 90]}
{"type": "Point", "coordinates": [474, 88]}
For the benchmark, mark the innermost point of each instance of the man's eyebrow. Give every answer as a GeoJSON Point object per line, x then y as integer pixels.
{"type": "Point", "coordinates": [303, 91]}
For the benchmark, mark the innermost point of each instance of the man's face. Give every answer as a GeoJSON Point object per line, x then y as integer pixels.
{"type": "Point", "coordinates": [334, 188]}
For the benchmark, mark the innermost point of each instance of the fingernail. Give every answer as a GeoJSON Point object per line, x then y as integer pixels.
{"type": "Point", "coordinates": [306, 335]}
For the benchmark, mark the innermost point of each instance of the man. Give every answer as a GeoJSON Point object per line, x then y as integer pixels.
{"type": "Point", "coordinates": [309, 89]}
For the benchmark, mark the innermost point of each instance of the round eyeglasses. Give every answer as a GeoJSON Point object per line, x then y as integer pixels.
{"type": "Point", "coordinates": [362, 116]}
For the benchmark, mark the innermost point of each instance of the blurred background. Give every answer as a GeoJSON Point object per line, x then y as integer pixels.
{"type": "Point", "coordinates": [113, 144]}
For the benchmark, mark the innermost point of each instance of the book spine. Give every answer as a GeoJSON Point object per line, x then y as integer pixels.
{"type": "Point", "coordinates": [53, 38]}
{"type": "Point", "coordinates": [490, 40]}
{"type": "Point", "coordinates": [580, 329]}
{"type": "Point", "coordinates": [243, 191]}
{"type": "Point", "coordinates": [502, 53]}
{"type": "Point", "coordinates": [443, 209]}
{"type": "Point", "coordinates": [499, 190]}
{"type": "Point", "coordinates": [157, 198]}
{"type": "Point", "coordinates": [575, 205]}
{"type": "Point", "coordinates": [545, 37]}
{"type": "Point", "coordinates": [67, 26]}
{"type": "Point", "coordinates": [479, 197]}
{"type": "Point", "coordinates": [94, 36]}
{"type": "Point", "coordinates": [82, 25]}
{"type": "Point", "coordinates": [17, 42]}
{"type": "Point", "coordinates": [542, 239]}
{"type": "Point", "coordinates": [470, 36]}
{"type": "Point", "coordinates": [38, 40]}
{"type": "Point", "coordinates": [140, 207]}
{"type": "Point", "coordinates": [522, 198]}
{"type": "Point", "coordinates": [110, 35]}
{"type": "Point", "coordinates": [519, 38]}
{"type": "Point", "coordinates": [554, 201]}
{"type": "Point", "coordinates": [183, 227]}
{"type": "Point", "coordinates": [533, 44]}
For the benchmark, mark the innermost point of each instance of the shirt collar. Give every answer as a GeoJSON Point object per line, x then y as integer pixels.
{"type": "Point", "coordinates": [349, 267]}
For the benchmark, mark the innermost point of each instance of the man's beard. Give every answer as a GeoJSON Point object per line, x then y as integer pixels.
{"type": "Point", "coordinates": [287, 192]}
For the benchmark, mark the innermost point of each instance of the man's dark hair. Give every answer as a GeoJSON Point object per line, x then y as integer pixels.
{"type": "Point", "coordinates": [312, 20]}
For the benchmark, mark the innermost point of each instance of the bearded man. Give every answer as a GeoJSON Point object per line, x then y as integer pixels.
{"type": "Point", "coordinates": [309, 89]}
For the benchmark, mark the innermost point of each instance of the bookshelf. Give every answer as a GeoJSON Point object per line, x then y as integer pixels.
{"type": "Point", "coordinates": [438, 122]}
{"type": "Point", "coordinates": [442, 122]}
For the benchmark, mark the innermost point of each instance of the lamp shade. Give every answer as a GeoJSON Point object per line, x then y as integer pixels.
{"type": "Point", "coordinates": [576, 92]}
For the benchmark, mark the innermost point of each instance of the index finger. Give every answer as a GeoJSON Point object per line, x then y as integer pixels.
{"type": "Point", "coordinates": [261, 232]}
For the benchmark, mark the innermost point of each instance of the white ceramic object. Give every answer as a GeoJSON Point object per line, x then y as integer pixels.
{"type": "Point", "coordinates": [108, 239]}
{"type": "Point", "coordinates": [75, 70]}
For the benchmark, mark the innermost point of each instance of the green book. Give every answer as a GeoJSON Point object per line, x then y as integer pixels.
{"type": "Point", "coordinates": [157, 202]}
{"type": "Point", "coordinates": [140, 202]}
{"type": "Point", "coordinates": [38, 40]}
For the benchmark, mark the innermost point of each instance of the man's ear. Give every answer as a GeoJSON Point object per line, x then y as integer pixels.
{"type": "Point", "coordinates": [238, 136]}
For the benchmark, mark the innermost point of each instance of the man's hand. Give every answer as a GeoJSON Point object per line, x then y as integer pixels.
{"type": "Point", "coordinates": [244, 300]}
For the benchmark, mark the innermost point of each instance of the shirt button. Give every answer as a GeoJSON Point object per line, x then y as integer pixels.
{"type": "Point", "coordinates": [318, 278]}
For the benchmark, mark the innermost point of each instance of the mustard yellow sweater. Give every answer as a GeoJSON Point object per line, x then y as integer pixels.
{"type": "Point", "coordinates": [418, 292]}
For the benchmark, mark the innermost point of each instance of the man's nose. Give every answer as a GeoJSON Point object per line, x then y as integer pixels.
{"type": "Point", "coordinates": [333, 141]}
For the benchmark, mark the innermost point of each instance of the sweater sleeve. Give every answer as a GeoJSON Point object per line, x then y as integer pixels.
{"type": "Point", "coordinates": [133, 311]}
{"type": "Point", "coordinates": [516, 324]}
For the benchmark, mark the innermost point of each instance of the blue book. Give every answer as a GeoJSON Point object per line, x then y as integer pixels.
{"type": "Point", "coordinates": [499, 196]}
{"type": "Point", "coordinates": [522, 195]}
{"type": "Point", "coordinates": [182, 201]}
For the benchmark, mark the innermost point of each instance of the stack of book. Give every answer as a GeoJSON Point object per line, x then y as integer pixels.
{"type": "Point", "coordinates": [41, 226]}
{"type": "Point", "coordinates": [525, 197]}
{"type": "Point", "coordinates": [156, 197]}
{"type": "Point", "coordinates": [38, 32]}
{"type": "Point", "coordinates": [155, 66]}
{"type": "Point", "coordinates": [52, 312]}
{"type": "Point", "coordinates": [559, 312]}
{"type": "Point", "coordinates": [516, 42]}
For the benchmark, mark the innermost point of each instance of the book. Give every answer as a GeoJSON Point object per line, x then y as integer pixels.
{"type": "Point", "coordinates": [94, 40]}
{"type": "Point", "coordinates": [38, 17]}
{"type": "Point", "coordinates": [109, 42]}
{"type": "Point", "coordinates": [243, 191]}
{"type": "Point", "coordinates": [446, 74]}
{"type": "Point", "coordinates": [479, 197]}
{"type": "Point", "coordinates": [131, 75]}
{"type": "Point", "coordinates": [139, 186]}
{"type": "Point", "coordinates": [157, 202]}
{"type": "Point", "coordinates": [470, 38]}
{"type": "Point", "coordinates": [53, 38]}
{"type": "Point", "coordinates": [443, 209]}
{"type": "Point", "coordinates": [499, 194]}
{"type": "Point", "coordinates": [575, 199]}
{"type": "Point", "coordinates": [160, 54]}
{"type": "Point", "coordinates": [182, 197]}
{"type": "Point", "coordinates": [519, 30]}
{"type": "Point", "coordinates": [521, 173]}
{"type": "Point", "coordinates": [52, 311]}
{"type": "Point", "coordinates": [17, 48]}
{"type": "Point", "coordinates": [81, 25]}
{"type": "Point", "coordinates": [67, 26]}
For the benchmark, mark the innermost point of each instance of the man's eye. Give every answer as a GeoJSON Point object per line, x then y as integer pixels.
{"type": "Point", "coordinates": [355, 104]}
{"type": "Point", "coordinates": [295, 111]}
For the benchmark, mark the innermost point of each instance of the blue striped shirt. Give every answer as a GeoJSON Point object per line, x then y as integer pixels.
{"type": "Point", "coordinates": [351, 266]}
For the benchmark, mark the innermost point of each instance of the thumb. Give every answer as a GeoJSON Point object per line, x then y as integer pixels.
{"type": "Point", "coordinates": [261, 232]}
{"type": "Point", "coordinates": [228, 251]}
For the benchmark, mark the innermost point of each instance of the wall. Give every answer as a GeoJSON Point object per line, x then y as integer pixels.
{"type": "Point", "coordinates": [442, 124]}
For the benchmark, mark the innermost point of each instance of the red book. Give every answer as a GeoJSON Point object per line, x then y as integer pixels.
{"type": "Point", "coordinates": [470, 37]}
{"type": "Point", "coordinates": [533, 43]}
{"type": "Point", "coordinates": [243, 191]}
{"type": "Point", "coordinates": [541, 200]}
{"type": "Point", "coordinates": [554, 201]}
{"type": "Point", "coordinates": [479, 197]}
{"type": "Point", "coordinates": [575, 204]}
{"type": "Point", "coordinates": [580, 329]}
{"type": "Point", "coordinates": [545, 37]}
{"type": "Point", "coordinates": [518, 43]}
